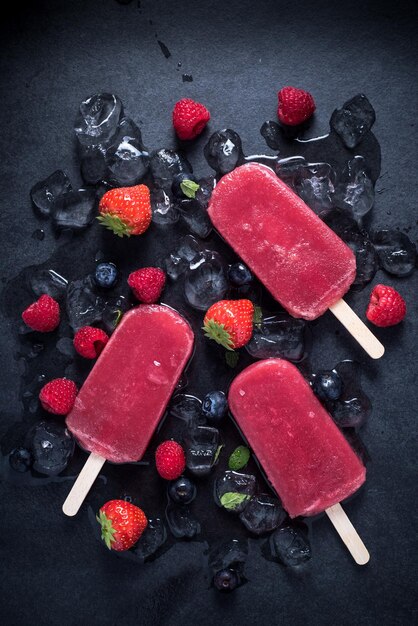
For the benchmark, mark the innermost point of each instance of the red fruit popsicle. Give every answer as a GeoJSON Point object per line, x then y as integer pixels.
{"type": "Point", "coordinates": [126, 393]}
{"type": "Point", "coordinates": [301, 261]}
{"type": "Point", "coordinates": [304, 455]}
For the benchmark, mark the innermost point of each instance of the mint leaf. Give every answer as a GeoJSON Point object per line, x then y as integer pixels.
{"type": "Point", "coordinates": [217, 453]}
{"type": "Point", "coordinates": [231, 500]}
{"type": "Point", "coordinates": [189, 188]}
{"type": "Point", "coordinates": [118, 317]}
{"type": "Point", "coordinates": [239, 458]}
{"type": "Point", "coordinates": [232, 358]}
{"type": "Point", "coordinates": [258, 316]}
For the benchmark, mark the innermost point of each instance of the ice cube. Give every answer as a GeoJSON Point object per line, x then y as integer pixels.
{"type": "Point", "coordinates": [229, 555]}
{"type": "Point", "coordinates": [182, 522]}
{"type": "Point", "coordinates": [74, 210]}
{"type": "Point", "coordinates": [44, 193]}
{"type": "Point", "coordinates": [84, 305]}
{"type": "Point", "coordinates": [397, 254]}
{"type": "Point", "coordinates": [223, 152]}
{"type": "Point", "coordinates": [52, 446]}
{"type": "Point", "coordinates": [165, 164]}
{"type": "Point", "coordinates": [164, 212]}
{"type": "Point", "coordinates": [206, 283]}
{"type": "Point", "coordinates": [206, 186]}
{"type": "Point", "coordinates": [354, 120]}
{"type": "Point", "coordinates": [49, 282]}
{"type": "Point", "coordinates": [97, 119]}
{"type": "Point", "coordinates": [65, 346]}
{"type": "Point", "coordinates": [187, 408]}
{"type": "Point", "coordinates": [201, 445]}
{"type": "Point", "coordinates": [189, 248]}
{"type": "Point", "coordinates": [234, 490]}
{"type": "Point", "coordinates": [272, 134]}
{"type": "Point", "coordinates": [195, 217]}
{"type": "Point", "coordinates": [353, 406]}
{"type": "Point", "coordinates": [290, 545]}
{"type": "Point", "coordinates": [93, 164]}
{"type": "Point", "coordinates": [174, 266]}
{"type": "Point", "coordinates": [262, 514]}
{"type": "Point", "coordinates": [355, 190]}
{"type": "Point", "coordinates": [358, 240]}
{"type": "Point", "coordinates": [289, 170]}
{"type": "Point", "coordinates": [127, 158]}
{"type": "Point", "coordinates": [366, 257]}
{"type": "Point", "coordinates": [113, 312]}
{"type": "Point", "coordinates": [153, 537]}
{"type": "Point", "coordinates": [315, 185]}
{"type": "Point", "coordinates": [280, 336]}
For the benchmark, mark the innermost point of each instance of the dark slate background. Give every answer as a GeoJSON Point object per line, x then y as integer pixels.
{"type": "Point", "coordinates": [239, 53]}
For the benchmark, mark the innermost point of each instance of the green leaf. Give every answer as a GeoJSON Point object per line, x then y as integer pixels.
{"type": "Point", "coordinates": [189, 188]}
{"type": "Point", "coordinates": [217, 453]}
{"type": "Point", "coordinates": [231, 500]}
{"type": "Point", "coordinates": [258, 316]}
{"type": "Point", "coordinates": [239, 458]}
{"type": "Point", "coordinates": [232, 358]}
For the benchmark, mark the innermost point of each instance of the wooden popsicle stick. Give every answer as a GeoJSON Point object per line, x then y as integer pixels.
{"type": "Point", "coordinates": [348, 534]}
{"type": "Point", "coordinates": [361, 333]}
{"type": "Point", "coordinates": [83, 484]}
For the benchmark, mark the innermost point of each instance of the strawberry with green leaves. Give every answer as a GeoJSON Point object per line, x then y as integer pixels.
{"type": "Point", "coordinates": [230, 323]}
{"type": "Point", "coordinates": [126, 211]}
{"type": "Point", "coordinates": [122, 524]}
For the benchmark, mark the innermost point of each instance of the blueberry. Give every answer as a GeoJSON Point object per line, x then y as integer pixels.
{"type": "Point", "coordinates": [177, 180]}
{"type": "Point", "coordinates": [20, 459]}
{"type": "Point", "coordinates": [328, 385]}
{"type": "Point", "coordinates": [182, 490]}
{"type": "Point", "coordinates": [106, 275]}
{"type": "Point", "coordinates": [239, 274]}
{"type": "Point", "coordinates": [226, 580]}
{"type": "Point", "coordinates": [214, 406]}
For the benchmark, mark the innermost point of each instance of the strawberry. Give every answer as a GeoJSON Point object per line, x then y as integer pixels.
{"type": "Point", "coordinates": [90, 341]}
{"type": "Point", "coordinates": [170, 460]}
{"type": "Point", "coordinates": [43, 315]}
{"type": "Point", "coordinates": [189, 118]}
{"type": "Point", "coordinates": [122, 524]}
{"type": "Point", "coordinates": [58, 396]}
{"type": "Point", "coordinates": [126, 210]}
{"type": "Point", "coordinates": [295, 106]}
{"type": "Point", "coordinates": [147, 284]}
{"type": "Point", "coordinates": [386, 306]}
{"type": "Point", "coordinates": [230, 323]}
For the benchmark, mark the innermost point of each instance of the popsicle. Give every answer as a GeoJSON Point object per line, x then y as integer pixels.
{"type": "Point", "coordinates": [125, 395]}
{"type": "Point", "coordinates": [302, 262]}
{"type": "Point", "coordinates": [304, 455]}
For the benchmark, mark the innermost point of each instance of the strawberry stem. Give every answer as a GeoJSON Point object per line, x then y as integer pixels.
{"type": "Point", "coordinates": [115, 224]}
{"type": "Point", "coordinates": [218, 333]}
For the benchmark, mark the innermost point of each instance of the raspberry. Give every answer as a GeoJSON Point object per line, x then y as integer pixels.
{"type": "Point", "coordinates": [43, 315]}
{"type": "Point", "coordinates": [386, 306]}
{"type": "Point", "coordinates": [58, 396]}
{"type": "Point", "coordinates": [147, 284]}
{"type": "Point", "coordinates": [295, 106]}
{"type": "Point", "coordinates": [89, 341]}
{"type": "Point", "coordinates": [189, 118]}
{"type": "Point", "coordinates": [170, 460]}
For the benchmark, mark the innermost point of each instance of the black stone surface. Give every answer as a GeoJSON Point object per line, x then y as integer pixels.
{"type": "Point", "coordinates": [240, 54]}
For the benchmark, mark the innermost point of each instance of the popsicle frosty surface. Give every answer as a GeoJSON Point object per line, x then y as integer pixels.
{"type": "Point", "coordinates": [127, 391]}
{"type": "Point", "coordinates": [302, 262]}
{"type": "Point", "coordinates": [304, 455]}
